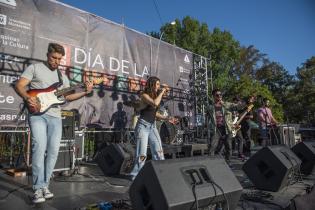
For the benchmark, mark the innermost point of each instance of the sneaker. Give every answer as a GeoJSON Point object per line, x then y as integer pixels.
{"type": "Point", "coordinates": [242, 157]}
{"type": "Point", "coordinates": [38, 197]}
{"type": "Point", "coordinates": [47, 194]}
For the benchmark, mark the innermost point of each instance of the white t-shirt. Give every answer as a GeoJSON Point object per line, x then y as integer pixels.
{"type": "Point", "coordinates": [42, 77]}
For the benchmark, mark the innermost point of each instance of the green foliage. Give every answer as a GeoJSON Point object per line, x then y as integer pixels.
{"type": "Point", "coordinates": [303, 93]}
{"type": "Point", "coordinates": [224, 52]}
{"type": "Point", "coordinates": [246, 86]}
{"type": "Point", "coordinates": [242, 71]}
{"type": "Point", "coordinates": [249, 61]}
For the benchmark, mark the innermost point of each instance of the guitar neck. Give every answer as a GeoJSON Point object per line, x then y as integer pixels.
{"type": "Point", "coordinates": [69, 89]}
{"type": "Point", "coordinates": [241, 117]}
{"type": "Point", "coordinates": [244, 114]}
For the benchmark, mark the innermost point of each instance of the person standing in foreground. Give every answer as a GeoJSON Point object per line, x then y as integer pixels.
{"type": "Point", "coordinates": [46, 128]}
{"type": "Point", "coordinates": [146, 131]}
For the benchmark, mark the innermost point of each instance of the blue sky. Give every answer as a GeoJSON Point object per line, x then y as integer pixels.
{"type": "Point", "coordinates": [283, 29]}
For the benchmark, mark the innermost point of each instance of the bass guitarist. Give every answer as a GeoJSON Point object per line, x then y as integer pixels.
{"type": "Point", "coordinates": [46, 128]}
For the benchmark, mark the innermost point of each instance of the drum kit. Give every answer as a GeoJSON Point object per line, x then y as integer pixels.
{"type": "Point", "coordinates": [169, 133]}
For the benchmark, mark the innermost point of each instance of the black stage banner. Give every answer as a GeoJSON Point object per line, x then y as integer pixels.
{"type": "Point", "coordinates": [95, 47]}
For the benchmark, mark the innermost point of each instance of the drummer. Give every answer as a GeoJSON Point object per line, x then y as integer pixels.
{"type": "Point", "coordinates": [146, 131]}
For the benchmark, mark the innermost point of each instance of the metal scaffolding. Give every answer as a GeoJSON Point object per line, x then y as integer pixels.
{"type": "Point", "coordinates": [201, 92]}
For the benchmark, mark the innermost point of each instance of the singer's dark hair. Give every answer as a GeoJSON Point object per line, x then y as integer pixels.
{"type": "Point", "coordinates": [150, 86]}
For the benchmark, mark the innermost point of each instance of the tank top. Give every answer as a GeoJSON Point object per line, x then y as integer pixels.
{"type": "Point", "coordinates": [148, 113]}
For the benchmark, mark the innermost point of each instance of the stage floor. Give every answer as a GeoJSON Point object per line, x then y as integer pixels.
{"type": "Point", "coordinates": [90, 186]}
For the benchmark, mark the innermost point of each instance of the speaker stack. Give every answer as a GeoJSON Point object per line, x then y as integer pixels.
{"type": "Point", "coordinates": [183, 183]}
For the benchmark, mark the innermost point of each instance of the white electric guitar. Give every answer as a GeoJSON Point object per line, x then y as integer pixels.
{"type": "Point", "coordinates": [51, 96]}
{"type": "Point", "coordinates": [236, 122]}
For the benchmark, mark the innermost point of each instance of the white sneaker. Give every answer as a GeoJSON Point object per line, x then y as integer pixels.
{"type": "Point", "coordinates": [38, 197]}
{"type": "Point", "coordinates": [46, 193]}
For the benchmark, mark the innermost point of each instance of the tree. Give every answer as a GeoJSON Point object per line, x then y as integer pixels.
{"type": "Point", "coordinates": [238, 70]}
{"type": "Point", "coordinates": [304, 93]}
{"type": "Point", "coordinates": [224, 52]}
{"type": "Point", "coordinates": [246, 86]}
{"type": "Point", "coordinates": [277, 79]}
{"type": "Point", "coordinates": [249, 61]}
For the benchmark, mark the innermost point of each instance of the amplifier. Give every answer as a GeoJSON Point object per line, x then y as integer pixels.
{"type": "Point", "coordinates": [287, 135]}
{"type": "Point", "coordinates": [68, 119]}
{"type": "Point", "coordinates": [66, 157]}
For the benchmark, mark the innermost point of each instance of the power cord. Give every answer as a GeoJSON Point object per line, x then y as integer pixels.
{"type": "Point", "coordinates": [195, 196]}
{"type": "Point", "coordinates": [215, 195]}
{"type": "Point", "coordinates": [225, 198]}
{"type": "Point", "coordinates": [259, 197]}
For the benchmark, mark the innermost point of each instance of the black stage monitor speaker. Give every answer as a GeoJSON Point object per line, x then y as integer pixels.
{"type": "Point", "coordinates": [272, 167]}
{"type": "Point", "coordinates": [179, 184]}
{"type": "Point", "coordinates": [116, 159]}
{"type": "Point", "coordinates": [306, 152]}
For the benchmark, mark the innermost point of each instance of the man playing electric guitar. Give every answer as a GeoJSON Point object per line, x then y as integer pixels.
{"type": "Point", "coordinates": [237, 121]}
{"type": "Point", "coordinates": [247, 125]}
{"type": "Point", "coordinates": [46, 127]}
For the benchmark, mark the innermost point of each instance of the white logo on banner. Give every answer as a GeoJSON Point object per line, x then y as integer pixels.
{"type": "Point", "coordinates": [183, 70]}
{"type": "Point", "coordinates": [186, 59]}
{"type": "Point", "coordinates": [3, 19]}
{"type": "Point", "coordinates": [8, 2]}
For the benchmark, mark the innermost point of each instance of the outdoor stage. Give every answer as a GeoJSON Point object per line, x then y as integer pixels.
{"type": "Point", "coordinates": [88, 185]}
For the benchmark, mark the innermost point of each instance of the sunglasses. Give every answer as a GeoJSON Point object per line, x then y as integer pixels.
{"type": "Point", "coordinates": [218, 94]}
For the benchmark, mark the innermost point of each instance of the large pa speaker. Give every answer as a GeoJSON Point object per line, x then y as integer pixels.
{"type": "Point", "coordinates": [116, 159]}
{"type": "Point", "coordinates": [179, 184]}
{"type": "Point", "coordinates": [272, 167]}
{"type": "Point", "coordinates": [306, 152]}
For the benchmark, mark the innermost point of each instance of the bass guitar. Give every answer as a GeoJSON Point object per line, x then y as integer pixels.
{"type": "Point", "coordinates": [51, 96]}
{"type": "Point", "coordinates": [236, 122]}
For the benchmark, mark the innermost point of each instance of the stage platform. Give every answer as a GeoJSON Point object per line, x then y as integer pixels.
{"type": "Point", "coordinates": [88, 186]}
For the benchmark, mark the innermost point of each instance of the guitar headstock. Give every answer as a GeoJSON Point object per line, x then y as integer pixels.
{"type": "Point", "coordinates": [250, 107]}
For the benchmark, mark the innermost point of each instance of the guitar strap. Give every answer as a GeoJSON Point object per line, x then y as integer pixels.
{"type": "Point", "coordinates": [60, 78]}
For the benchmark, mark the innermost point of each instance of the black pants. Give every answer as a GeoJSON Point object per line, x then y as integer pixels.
{"type": "Point", "coordinates": [246, 132]}
{"type": "Point", "coordinates": [218, 140]}
{"type": "Point", "coordinates": [239, 140]}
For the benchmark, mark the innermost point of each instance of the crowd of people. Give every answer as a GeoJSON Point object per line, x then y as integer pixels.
{"type": "Point", "coordinates": [230, 123]}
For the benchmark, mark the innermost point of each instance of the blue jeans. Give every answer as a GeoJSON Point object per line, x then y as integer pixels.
{"type": "Point", "coordinates": [46, 135]}
{"type": "Point", "coordinates": [145, 133]}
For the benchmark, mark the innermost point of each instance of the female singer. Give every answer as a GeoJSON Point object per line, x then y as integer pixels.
{"type": "Point", "coordinates": [146, 131]}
